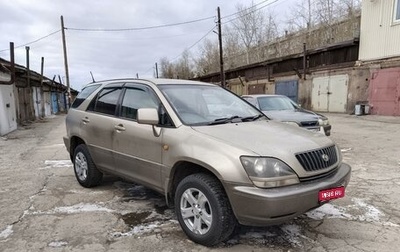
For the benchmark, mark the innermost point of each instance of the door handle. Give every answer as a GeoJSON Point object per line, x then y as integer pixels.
{"type": "Point", "coordinates": [85, 120]}
{"type": "Point", "coordinates": [119, 127]}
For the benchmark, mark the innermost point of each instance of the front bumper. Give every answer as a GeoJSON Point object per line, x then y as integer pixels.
{"type": "Point", "coordinates": [260, 207]}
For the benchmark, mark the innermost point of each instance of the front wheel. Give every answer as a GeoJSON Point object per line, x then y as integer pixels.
{"type": "Point", "coordinates": [86, 171]}
{"type": "Point", "coordinates": [203, 209]}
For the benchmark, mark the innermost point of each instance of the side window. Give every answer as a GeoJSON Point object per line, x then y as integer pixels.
{"type": "Point", "coordinates": [397, 11]}
{"type": "Point", "coordinates": [106, 101]}
{"type": "Point", "coordinates": [134, 99]}
{"type": "Point", "coordinates": [84, 94]}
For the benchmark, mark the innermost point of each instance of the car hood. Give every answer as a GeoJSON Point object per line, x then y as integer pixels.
{"type": "Point", "coordinates": [292, 115]}
{"type": "Point", "coordinates": [266, 137]}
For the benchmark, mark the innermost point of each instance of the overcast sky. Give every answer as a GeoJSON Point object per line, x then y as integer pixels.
{"type": "Point", "coordinates": [109, 54]}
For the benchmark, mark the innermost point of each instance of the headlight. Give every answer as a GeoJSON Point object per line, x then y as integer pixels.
{"type": "Point", "coordinates": [323, 121]}
{"type": "Point", "coordinates": [268, 172]}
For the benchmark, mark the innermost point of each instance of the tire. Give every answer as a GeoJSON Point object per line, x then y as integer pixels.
{"type": "Point", "coordinates": [203, 209]}
{"type": "Point", "coordinates": [85, 170]}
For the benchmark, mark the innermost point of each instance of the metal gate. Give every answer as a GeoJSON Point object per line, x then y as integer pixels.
{"type": "Point", "coordinates": [54, 102]}
{"type": "Point", "coordinates": [288, 88]}
{"type": "Point", "coordinates": [329, 94]}
{"type": "Point", "coordinates": [384, 95]}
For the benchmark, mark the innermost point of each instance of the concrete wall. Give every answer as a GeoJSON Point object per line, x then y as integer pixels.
{"type": "Point", "coordinates": [293, 43]}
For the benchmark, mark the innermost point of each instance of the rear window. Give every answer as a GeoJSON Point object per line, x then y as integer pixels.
{"type": "Point", "coordinates": [83, 95]}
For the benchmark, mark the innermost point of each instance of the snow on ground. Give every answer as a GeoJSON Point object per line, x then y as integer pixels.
{"type": "Point", "coordinates": [57, 164]}
{"type": "Point", "coordinates": [139, 229]}
{"type": "Point", "coordinates": [362, 212]}
{"type": "Point", "coordinates": [6, 232]}
{"type": "Point", "coordinates": [58, 244]}
{"type": "Point", "coordinates": [78, 208]}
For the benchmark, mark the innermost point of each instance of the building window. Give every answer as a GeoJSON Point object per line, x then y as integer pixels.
{"type": "Point", "coordinates": [397, 11]}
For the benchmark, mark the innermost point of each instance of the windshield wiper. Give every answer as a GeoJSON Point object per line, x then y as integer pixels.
{"type": "Point", "coordinates": [224, 120]}
{"type": "Point", "coordinates": [252, 118]}
{"type": "Point", "coordinates": [235, 119]}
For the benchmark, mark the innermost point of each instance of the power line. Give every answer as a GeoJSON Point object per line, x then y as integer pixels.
{"type": "Point", "coordinates": [37, 40]}
{"type": "Point", "coordinates": [234, 14]}
{"type": "Point", "coordinates": [240, 16]}
{"type": "Point", "coordinates": [139, 28]}
{"type": "Point", "coordinates": [198, 41]}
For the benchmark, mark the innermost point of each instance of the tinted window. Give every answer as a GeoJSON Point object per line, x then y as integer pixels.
{"type": "Point", "coordinates": [134, 99]}
{"type": "Point", "coordinates": [106, 101]}
{"type": "Point", "coordinates": [397, 10]}
{"type": "Point", "coordinates": [83, 95]}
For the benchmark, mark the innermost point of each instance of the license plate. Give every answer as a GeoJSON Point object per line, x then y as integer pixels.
{"type": "Point", "coordinates": [329, 194]}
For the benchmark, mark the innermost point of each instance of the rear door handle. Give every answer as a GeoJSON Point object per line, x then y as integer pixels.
{"type": "Point", "coordinates": [119, 127]}
{"type": "Point", "coordinates": [85, 120]}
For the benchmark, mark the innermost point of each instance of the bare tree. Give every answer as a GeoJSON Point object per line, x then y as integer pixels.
{"type": "Point", "coordinates": [232, 47]}
{"type": "Point", "coordinates": [167, 68]}
{"type": "Point", "coordinates": [303, 16]}
{"type": "Point", "coordinates": [250, 25]}
{"type": "Point", "coordinates": [350, 8]}
{"type": "Point", "coordinates": [183, 68]}
{"type": "Point", "coordinates": [208, 61]}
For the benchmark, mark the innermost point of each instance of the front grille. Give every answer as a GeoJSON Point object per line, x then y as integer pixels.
{"type": "Point", "coordinates": [318, 159]}
{"type": "Point", "coordinates": [309, 123]}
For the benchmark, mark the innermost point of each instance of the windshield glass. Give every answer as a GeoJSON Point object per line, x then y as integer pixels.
{"type": "Point", "coordinates": [276, 103]}
{"type": "Point", "coordinates": [205, 105]}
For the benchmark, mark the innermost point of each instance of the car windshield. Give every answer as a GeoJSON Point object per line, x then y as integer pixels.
{"type": "Point", "coordinates": [207, 105]}
{"type": "Point", "coordinates": [268, 103]}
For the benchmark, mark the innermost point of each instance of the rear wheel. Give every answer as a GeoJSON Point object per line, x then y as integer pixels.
{"type": "Point", "coordinates": [203, 209]}
{"type": "Point", "coordinates": [85, 170]}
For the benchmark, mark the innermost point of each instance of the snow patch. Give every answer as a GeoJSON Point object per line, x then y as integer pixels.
{"type": "Point", "coordinates": [345, 150]}
{"type": "Point", "coordinates": [292, 234]}
{"type": "Point", "coordinates": [6, 232]}
{"type": "Point", "coordinates": [365, 212]}
{"type": "Point", "coordinates": [79, 208]}
{"type": "Point", "coordinates": [58, 163]}
{"type": "Point", "coordinates": [58, 244]}
{"type": "Point", "coordinates": [372, 214]}
{"type": "Point", "coordinates": [329, 211]}
{"type": "Point", "coordinates": [137, 230]}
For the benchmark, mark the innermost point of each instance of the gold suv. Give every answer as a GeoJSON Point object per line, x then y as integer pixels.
{"type": "Point", "coordinates": [214, 156]}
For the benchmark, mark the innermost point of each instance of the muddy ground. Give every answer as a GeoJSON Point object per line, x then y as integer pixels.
{"type": "Point", "coordinates": [43, 208]}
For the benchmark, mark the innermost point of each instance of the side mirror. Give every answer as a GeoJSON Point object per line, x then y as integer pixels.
{"type": "Point", "coordinates": [147, 116]}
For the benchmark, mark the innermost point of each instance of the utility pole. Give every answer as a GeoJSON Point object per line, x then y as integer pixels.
{"type": "Point", "coordinates": [65, 60]}
{"type": "Point", "coordinates": [221, 55]}
{"type": "Point", "coordinates": [41, 89]}
{"type": "Point", "coordinates": [137, 76]}
{"type": "Point", "coordinates": [156, 70]}
{"type": "Point", "coordinates": [28, 82]}
{"type": "Point", "coordinates": [304, 61]}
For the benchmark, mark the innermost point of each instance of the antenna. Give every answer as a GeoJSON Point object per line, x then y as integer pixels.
{"type": "Point", "coordinates": [92, 76]}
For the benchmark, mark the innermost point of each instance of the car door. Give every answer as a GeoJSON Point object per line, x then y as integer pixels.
{"type": "Point", "coordinates": [97, 126]}
{"type": "Point", "coordinates": [137, 148]}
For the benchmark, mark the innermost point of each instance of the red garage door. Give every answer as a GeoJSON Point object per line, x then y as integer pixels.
{"type": "Point", "coordinates": [384, 92]}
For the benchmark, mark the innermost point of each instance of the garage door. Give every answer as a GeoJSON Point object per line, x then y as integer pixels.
{"type": "Point", "coordinates": [384, 95]}
{"type": "Point", "coordinates": [329, 94]}
{"type": "Point", "coordinates": [288, 88]}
